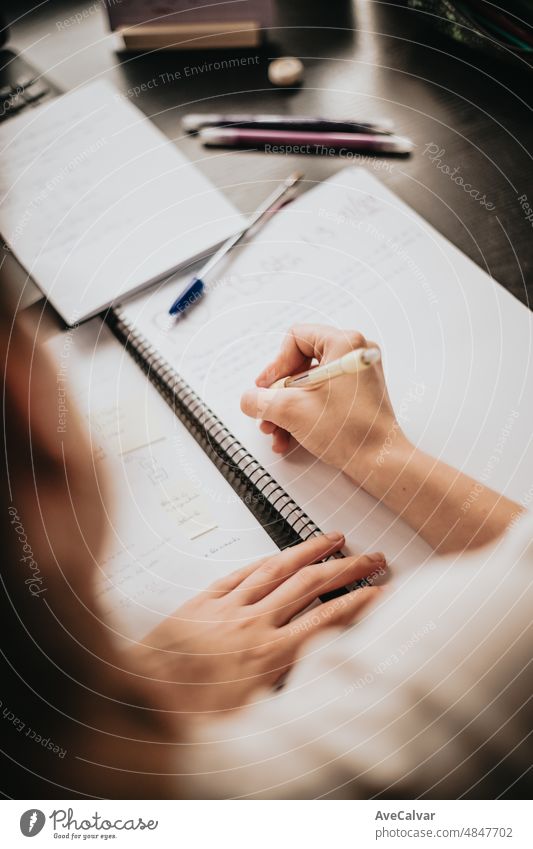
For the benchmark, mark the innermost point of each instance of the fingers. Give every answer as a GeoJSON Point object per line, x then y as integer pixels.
{"type": "Point", "coordinates": [291, 359]}
{"type": "Point", "coordinates": [305, 342]}
{"type": "Point", "coordinates": [335, 613]}
{"type": "Point", "coordinates": [274, 405]}
{"type": "Point", "coordinates": [281, 441]}
{"type": "Point", "coordinates": [282, 408]}
{"type": "Point", "coordinates": [298, 591]}
{"type": "Point", "coordinates": [275, 570]}
{"type": "Point", "coordinates": [228, 583]}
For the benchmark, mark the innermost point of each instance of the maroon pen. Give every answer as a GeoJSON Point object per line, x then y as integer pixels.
{"type": "Point", "coordinates": [285, 141]}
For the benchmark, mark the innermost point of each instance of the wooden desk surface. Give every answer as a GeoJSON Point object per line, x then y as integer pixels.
{"type": "Point", "coordinates": [469, 117]}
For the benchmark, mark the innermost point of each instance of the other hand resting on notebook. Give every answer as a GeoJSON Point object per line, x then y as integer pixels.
{"type": "Point", "coordinates": [349, 423]}
{"type": "Point", "coordinates": [237, 636]}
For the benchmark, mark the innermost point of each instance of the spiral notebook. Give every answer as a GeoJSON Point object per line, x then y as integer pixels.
{"type": "Point", "coordinates": [349, 253]}
{"type": "Point", "coordinates": [178, 512]}
{"type": "Point", "coordinates": [282, 518]}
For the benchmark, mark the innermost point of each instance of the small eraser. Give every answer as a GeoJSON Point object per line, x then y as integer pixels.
{"type": "Point", "coordinates": [286, 71]}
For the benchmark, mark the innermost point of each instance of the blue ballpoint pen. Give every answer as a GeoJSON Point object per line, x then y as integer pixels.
{"type": "Point", "coordinates": [195, 289]}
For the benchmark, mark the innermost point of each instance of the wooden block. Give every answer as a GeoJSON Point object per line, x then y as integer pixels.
{"type": "Point", "coordinates": [207, 36]}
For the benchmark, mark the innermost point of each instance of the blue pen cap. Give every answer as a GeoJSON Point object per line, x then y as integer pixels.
{"type": "Point", "coordinates": [190, 295]}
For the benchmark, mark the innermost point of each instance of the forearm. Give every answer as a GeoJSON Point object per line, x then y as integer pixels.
{"type": "Point", "coordinates": [449, 509]}
{"type": "Point", "coordinates": [350, 424]}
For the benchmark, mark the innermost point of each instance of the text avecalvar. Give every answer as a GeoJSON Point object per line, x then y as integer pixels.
{"type": "Point", "coordinates": [404, 815]}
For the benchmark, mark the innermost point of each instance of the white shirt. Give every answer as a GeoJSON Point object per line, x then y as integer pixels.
{"type": "Point", "coordinates": [427, 696]}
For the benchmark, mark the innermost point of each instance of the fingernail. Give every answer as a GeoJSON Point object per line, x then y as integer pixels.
{"type": "Point", "coordinates": [263, 399]}
{"type": "Point", "coordinates": [334, 536]}
{"type": "Point", "coordinates": [254, 404]}
{"type": "Point", "coordinates": [267, 377]}
{"type": "Point", "coordinates": [377, 557]}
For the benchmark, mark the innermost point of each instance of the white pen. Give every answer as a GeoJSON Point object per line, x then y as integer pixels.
{"type": "Point", "coordinates": [196, 287]}
{"type": "Point", "coordinates": [350, 363]}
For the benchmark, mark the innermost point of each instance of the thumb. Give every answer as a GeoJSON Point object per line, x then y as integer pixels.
{"type": "Point", "coordinates": [279, 406]}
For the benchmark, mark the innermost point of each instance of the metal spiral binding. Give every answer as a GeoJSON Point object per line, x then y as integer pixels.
{"type": "Point", "coordinates": [281, 517]}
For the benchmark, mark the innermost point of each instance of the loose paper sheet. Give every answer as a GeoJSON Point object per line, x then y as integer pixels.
{"type": "Point", "coordinates": [96, 201]}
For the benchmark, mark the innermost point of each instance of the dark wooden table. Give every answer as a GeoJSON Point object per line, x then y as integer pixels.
{"type": "Point", "coordinates": [362, 59]}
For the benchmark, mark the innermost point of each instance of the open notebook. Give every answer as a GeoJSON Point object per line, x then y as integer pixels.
{"type": "Point", "coordinates": [174, 523]}
{"type": "Point", "coordinates": [456, 350]}
{"type": "Point", "coordinates": [198, 489]}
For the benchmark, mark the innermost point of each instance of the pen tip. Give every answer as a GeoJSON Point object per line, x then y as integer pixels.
{"type": "Point", "coordinates": [295, 176]}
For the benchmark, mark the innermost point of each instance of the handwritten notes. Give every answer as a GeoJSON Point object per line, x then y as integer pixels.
{"type": "Point", "coordinates": [174, 523]}
{"type": "Point", "coordinates": [124, 427]}
{"type": "Point", "coordinates": [185, 505]}
{"type": "Point", "coordinates": [349, 253]}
